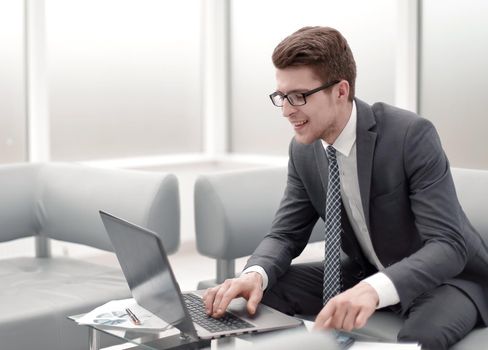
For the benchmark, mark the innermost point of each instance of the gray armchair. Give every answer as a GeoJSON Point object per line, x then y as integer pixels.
{"type": "Point", "coordinates": [234, 210]}
{"type": "Point", "coordinates": [61, 202]}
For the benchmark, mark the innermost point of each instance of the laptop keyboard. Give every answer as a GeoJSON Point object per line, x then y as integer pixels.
{"type": "Point", "coordinates": [228, 322]}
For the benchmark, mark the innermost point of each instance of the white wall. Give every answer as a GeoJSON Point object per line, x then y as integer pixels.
{"type": "Point", "coordinates": [12, 94]}
{"type": "Point", "coordinates": [454, 77]}
{"type": "Point", "coordinates": [124, 77]}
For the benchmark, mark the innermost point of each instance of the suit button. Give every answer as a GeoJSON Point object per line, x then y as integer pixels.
{"type": "Point", "coordinates": [360, 275]}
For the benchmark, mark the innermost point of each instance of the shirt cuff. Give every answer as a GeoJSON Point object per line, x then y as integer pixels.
{"type": "Point", "coordinates": [260, 270]}
{"type": "Point", "coordinates": [385, 288]}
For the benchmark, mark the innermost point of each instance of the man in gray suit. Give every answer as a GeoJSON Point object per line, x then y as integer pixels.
{"type": "Point", "coordinates": [408, 242]}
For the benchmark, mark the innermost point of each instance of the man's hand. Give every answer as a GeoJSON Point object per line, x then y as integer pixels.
{"type": "Point", "coordinates": [348, 310]}
{"type": "Point", "coordinates": [248, 286]}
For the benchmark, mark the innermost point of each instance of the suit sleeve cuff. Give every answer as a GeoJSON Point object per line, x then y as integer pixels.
{"type": "Point", "coordinates": [385, 288]}
{"type": "Point", "coordinates": [260, 270]}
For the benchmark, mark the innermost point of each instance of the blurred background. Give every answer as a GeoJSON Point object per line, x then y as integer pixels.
{"type": "Point", "coordinates": [182, 86]}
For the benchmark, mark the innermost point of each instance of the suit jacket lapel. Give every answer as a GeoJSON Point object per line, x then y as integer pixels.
{"type": "Point", "coordinates": [365, 145]}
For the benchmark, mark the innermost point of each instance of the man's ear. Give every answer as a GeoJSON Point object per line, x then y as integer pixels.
{"type": "Point", "coordinates": [343, 89]}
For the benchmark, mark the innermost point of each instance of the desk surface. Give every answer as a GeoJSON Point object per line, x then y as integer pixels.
{"type": "Point", "coordinates": [155, 340]}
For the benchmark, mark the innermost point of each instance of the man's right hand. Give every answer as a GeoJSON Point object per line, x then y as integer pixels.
{"type": "Point", "coordinates": [248, 286]}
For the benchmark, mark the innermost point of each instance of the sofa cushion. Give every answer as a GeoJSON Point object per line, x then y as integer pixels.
{"type": "Point", "coordinates": [476, 339]}
{"type": "Point", "coordinates": [386, 325]}
{"type": "Point", "coordinates": [39, 293]}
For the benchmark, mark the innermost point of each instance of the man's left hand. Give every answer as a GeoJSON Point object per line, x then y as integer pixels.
{"type": "Point", "coordinates": [348, 310]}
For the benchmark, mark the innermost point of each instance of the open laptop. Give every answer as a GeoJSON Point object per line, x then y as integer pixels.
{"type": "Point", "coordinates": [153, 285]}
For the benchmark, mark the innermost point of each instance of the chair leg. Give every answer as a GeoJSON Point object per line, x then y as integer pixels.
{"type": "Point", "coordinates": [225, 269]}
{"type": "Point", "coordinates": [43, 247]}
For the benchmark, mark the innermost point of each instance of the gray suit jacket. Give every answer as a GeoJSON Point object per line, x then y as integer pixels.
{"type": "Point", "coordinates": [417, 226]}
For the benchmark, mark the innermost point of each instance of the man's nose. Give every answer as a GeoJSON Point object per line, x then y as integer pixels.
{"type": "Point", "coordinates": [288, 109]}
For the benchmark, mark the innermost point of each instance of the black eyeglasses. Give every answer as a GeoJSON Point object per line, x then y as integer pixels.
{"type": "Point", "coordinates": [297, 98]}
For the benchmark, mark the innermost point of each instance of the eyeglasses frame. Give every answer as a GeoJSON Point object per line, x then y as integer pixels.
{"type": "Point", "coordinates": [304, 94]}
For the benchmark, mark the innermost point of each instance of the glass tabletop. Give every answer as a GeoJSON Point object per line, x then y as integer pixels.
{"type": "Point", "coordinates": [157, 340]}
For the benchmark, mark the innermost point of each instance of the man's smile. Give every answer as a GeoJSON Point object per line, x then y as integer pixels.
{"type": "Point", "coordinates": [299, 123]}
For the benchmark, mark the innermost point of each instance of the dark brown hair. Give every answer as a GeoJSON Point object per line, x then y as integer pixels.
{"type": "Point", "coordinates": [323, 49]}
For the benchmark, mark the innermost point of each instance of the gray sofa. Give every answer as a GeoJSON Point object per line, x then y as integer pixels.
{"type": "Point", "coordinates": [61, 202]}
{"type": "Point", "coordinates": [234, 210]}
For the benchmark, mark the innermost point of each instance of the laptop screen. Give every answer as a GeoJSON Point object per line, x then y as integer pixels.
{"type": "Point", "coordinates": [146, 268]}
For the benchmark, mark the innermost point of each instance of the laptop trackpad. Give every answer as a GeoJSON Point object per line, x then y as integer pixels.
{"type": "Point", "coordinates": [264, 315]}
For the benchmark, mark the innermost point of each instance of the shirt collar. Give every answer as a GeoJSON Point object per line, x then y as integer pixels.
{"type": "Point", "coordinates": [346, 139]}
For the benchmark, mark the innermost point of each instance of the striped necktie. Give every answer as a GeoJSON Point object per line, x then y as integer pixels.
{"type": "Point", "coordinates": [332, 264]}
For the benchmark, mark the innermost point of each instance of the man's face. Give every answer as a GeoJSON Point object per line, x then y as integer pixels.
{"type": "Point", "coordinates": [319, 118]}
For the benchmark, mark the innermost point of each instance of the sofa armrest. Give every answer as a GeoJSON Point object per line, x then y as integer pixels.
{"type": "Point", "coordinates": [234, 210]}
{"type": "Point", "coordinates": [17, 188]}
{"type": "Point", "coordinates": [69, 198]}
{"type": "Point", "coordinates": [472, 190]}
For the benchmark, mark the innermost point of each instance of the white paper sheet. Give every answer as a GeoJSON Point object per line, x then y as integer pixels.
{"type": "Point", "coordinates": [113, 314]}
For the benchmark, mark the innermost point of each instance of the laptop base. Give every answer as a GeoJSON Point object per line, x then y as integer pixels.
{"type": "Point", "coordinates": [178, 342]}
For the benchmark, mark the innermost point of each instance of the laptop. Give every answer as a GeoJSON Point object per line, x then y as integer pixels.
{"type": "Point", "coordinates": [153, 285]}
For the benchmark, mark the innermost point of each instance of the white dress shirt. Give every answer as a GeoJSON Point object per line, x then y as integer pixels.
{"type": "Point", "coordinates": [345, 146]}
